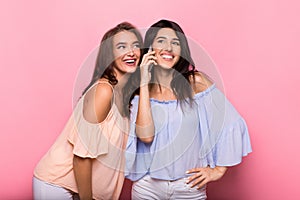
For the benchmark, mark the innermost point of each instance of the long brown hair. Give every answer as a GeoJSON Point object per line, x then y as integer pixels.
{"type": "Point", "coordinates": [184, 68]}
{"type": "Point", "coordinates": [105, 58]}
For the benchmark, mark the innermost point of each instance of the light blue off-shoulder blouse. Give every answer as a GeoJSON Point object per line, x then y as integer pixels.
{"type": "Point", "coordinates": [209, 132]}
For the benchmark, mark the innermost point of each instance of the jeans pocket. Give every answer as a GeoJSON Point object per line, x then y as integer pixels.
{"type": "Point", "coordinates": [146, 178]}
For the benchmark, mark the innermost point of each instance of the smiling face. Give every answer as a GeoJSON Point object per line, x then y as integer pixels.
{"type": "Point", "coordinates": [167, 48]}
{"type": "Point", "coordinates": [126, 50]}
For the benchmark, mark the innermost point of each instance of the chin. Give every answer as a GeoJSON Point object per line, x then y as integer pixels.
{"type": "Point", "coordinates": [165, 66]}
{"type": "Point", "coordinates": [130, 71]}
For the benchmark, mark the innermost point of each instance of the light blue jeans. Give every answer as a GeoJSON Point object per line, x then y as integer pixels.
{"type": "Point", "coordinates": [149, 188]}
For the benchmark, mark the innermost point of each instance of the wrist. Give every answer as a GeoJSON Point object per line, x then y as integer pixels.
{"type": "Point", "coordinates": [220, 171]}
{"type": "Point", "coordinates": [144, 86]}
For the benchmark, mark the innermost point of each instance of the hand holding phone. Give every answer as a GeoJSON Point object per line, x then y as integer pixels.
{"type": "Point", "coordinates": [151, 65]}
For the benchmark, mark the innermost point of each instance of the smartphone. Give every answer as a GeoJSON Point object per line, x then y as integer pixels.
{"type": "Point", "coordinates": [151, 65]}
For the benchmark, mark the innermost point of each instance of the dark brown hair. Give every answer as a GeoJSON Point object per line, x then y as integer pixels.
{"type": "Point", "coordinates": [105, 58]}
{"type": "Point", "coordinates": [184, 68]}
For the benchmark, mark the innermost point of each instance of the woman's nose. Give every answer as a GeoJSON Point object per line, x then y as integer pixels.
{"type": "Point", "coordinates": [168, 46]}
{"type": "Point", "coordinates": [131, 52]}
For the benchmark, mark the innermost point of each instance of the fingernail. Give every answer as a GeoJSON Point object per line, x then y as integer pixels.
{"type": "Point", "coordinates": [187, 172]}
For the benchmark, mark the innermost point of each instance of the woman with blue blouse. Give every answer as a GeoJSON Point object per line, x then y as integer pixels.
{"type": "Point", "coordinates": [184, 132]}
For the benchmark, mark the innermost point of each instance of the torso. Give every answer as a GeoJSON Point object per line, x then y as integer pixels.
{"type": "Point", "coordinates": [107, 138]}
{"type": "Point", "coordinates": [199, 84]}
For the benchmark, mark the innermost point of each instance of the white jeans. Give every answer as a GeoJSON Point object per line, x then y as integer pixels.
{"type": "Point", "coordinates": [47, 191]}
{"type": "Point", "coordinates": [149, 188]}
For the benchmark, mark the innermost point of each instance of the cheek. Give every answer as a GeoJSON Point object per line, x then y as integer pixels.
{"type": "Point", "coordinates": [177, 51]}
{"type": "Point", "coordinates": [138, 54]}
{"type": "Point", "coordinates": [118, 62]}
{"type": "Point", "coordinates": [157, 52]}
{"type": "Point", "coordinates": [117, 55]}
{"type": "Point", "coordinates": [116, 59]}
{"type": "Point", "coordinates": [178, 54]}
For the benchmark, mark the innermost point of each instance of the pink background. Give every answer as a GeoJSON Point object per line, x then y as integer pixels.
{"type": "Point", "coordinates": [255, 45]}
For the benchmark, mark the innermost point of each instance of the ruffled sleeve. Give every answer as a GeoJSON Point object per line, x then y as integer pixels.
{"type": "Point", "coordinates": [88, 140]}
{"type": "Point", "coordinates": [223, 132]}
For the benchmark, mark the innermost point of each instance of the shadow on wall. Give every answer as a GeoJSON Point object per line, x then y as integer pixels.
{"type": "Point", "coordinates": [126, 190]}
{"type": "Point", "coordinates": [225, 188]}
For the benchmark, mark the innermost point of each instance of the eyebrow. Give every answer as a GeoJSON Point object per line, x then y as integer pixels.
{"type": "Point", "coordinates": [120, 43]}
{"type": "Point", "coordinates": [163, 37]}
{"type": "Point", "coordinates": [123, 43]}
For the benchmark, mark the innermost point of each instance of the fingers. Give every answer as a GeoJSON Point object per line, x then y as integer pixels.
{"type": "Point", "coordinates": [149, 58]}
{"type": "Point", "coordinates": [200, 180]}
{"type": "Point", "coordinates": [193, 170]}
{"type": "Point", "coordinates": [201, 183]}
{"type": "Point", "coordinates": [197, 175]}
{"type": "Point", "coordinates": [200, 177]}
{"type": "Point", "coordinates": [152, 59]}
{"type": "Point", "coordinates": [148, 61]}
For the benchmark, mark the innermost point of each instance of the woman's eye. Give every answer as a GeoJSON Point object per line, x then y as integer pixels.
{"type": "Point", "coordinates": [176, 43]}
{"type": "Point", "coordinates": [121, 47]}
{"type": "Point", "coordinates": [160, 41]}
{"type": "Point", "coordinates": [136, 46]}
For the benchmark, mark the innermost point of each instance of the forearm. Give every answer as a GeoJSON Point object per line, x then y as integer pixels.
{"type": "Point", "coordinates": [219, 172]}
{"type": "Point", "coordinates": [83, 176]}
{"type": "Point", "coordinates": [144, 122]}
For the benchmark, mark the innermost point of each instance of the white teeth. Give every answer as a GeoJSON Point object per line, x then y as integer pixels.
{"type": "Point", "coordinates": [167, 56]}
{"type": "Point", "coordinates": [129, 61]}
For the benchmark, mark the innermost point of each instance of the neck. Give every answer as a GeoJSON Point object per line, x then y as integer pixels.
{"type": "Point", "coordinates": [122, 80]}
{"type": "Point", "coordinates": [163, 76]}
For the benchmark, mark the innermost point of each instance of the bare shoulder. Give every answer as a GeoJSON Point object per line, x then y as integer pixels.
{"type": "Point", "coordinates": [200, 82]}
{"type": "Point", "coordinates": [101, 91]}
{"type": "Point", "coordinates": [98, 102]}
{"type": "Point", "coordinates": [104, 90]}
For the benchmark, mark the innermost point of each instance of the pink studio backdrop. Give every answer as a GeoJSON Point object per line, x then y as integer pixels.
{"type": "Point", "coordinates": [254, 44]}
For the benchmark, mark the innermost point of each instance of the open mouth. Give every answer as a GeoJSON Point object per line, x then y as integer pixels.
{"type": "Point", "coordinates": [130, 61]}
{"type": "Point", "coordinates": [167, 56]}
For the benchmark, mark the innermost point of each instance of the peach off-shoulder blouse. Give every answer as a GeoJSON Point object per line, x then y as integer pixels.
{"type": "Point", "coordinates": [103, 142]}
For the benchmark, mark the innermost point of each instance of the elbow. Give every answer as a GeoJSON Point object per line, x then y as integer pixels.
{"type": "Point", "coordinates": [147, 139]}
{"type": "Point", "coordinates": [145, 135]}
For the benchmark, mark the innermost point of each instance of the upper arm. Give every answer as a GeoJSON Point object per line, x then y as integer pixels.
{"type": "Point", "coordinates": [97, 103]}
{"type": "Point", "coordinates": [200, 82]}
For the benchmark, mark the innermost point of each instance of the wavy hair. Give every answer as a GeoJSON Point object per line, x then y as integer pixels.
{"type": "Point", "coordinates": [104, 67]}
{"type": "Point", "coordinates": [180, 84]}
